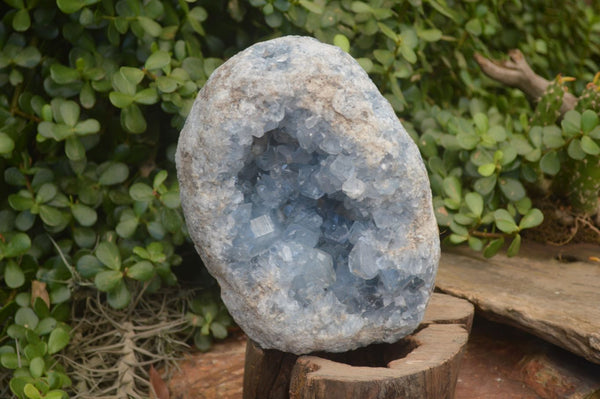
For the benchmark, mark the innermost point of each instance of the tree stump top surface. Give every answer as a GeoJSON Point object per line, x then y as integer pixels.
{"type": "Point", "coordinates": [423, 365]}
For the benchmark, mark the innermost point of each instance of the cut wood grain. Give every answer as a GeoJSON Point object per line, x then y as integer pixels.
{"type": "Point", "coordinates": [559, 302]}
{"type": "Point", "coordinates": [423, 365]}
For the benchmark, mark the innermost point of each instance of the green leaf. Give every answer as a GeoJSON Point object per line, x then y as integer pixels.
{"type": "Point", "coordinates": [27, 318]}
{"type": "Point", "coordinates": [166, 84]}
{"type": "Point", "coordinates": [359, 7]}
{"type": "Point", "coordinates": [132, 75]}
{"type": "Point", "coordinates": [452, 188]}
{"type": "Point", "coordinates": [20, 202]}
{"type": "Point", "coordinates": [467, 140]}
{"type": "Point", "coordinates": [115, 173]}
{"type": "Point", "coordinates": [141, 192]}
{"type": "Point", "coordinates": [127, 227]}
{"type": "Point", "coordinates": [159, 179]}
{"type": "Point", "coordinates": [552, 136]}
{"type": "Point", "coordinates": [475, 203]}
{"type": "Point", "coordinates": [474, 27]}
{"type": "Point", "coordinates": [88, 266]}
{"type": "Point", "coordinates": [534, 217]}
{"type": "Point", "coordinates": [550, 163]}
{"type": "Point", "coordinates": [37, 349]}
{"type": "Point", "coordinates": [487, 169]}
{"type": "Point", "coordinates": [59, 338]}
{"type": "Point", "coordinates": [493, 247]}
{"type": "Point", "coordinates": [36, 368]}
{"type": "Point", "coordinates": [18, 4]}
{"type": "Point", "coordinates": [46, 193]}
{"type": "Point", "coordinates": [132, 119]}
{"type": "Point", "coordinates": [74, 149]}
{"type": "Point", "coordinates": [571, 123]}
{"type": "Point", "coordinates": [85, 215]}
{"type": "Point", "coordinates": [121, 100]}
{"type": "Point", "coordinates": [56, 393]}
{"type": "Point", "coordinates": [150, 26]}
{"type": "Point", "coordinates": [457, 238]}
{"type": "Point", "coordinates": [408, 53]}
{"type": "Point", "coordinates": [505, 221]}
{"type": "Point", "coordinates": [515, 245]}
{"type": "Point", "coordinates": [366, 64]}
{"type": "Point", "coordinates": [45, 326]}
{"type": "Point", "coordinates": [385, 57]}
{"type": "Point", "coordinates": [171, 199]}
{"type": "Point", "coordinates": [512, 189]}
{"type": "Point", "coordinates": [575, 151]}
{"type": "Point", "coordinates": [147, 96]}
{"type": "Point", "coordinates": [311, 6]}
{"type": "Point", "coordinates": [218, 330]}
{"type": "Point", "coordinates": [142, 271]}
{"type": "Point", "coordinates": [52, 216]}
{"type": "Point", "coordinates": [589, 120]}
{"type": "Point", "coordinates": [485, 185]}
{"type": "Point", "coordinates": [342, 42]}
{"type": "Point", "coordinates": [87, 96]}
{"type": "Point", "coordinates": [386, 30]}
{"type": "Point", "coordinates": [430, 35]}
{"type": "Point", "coordinates": [199, 14]}
{"type": "Point", "coordinates": [481, 122]}
{"type": "Point", "coordinates": [158, 60]}
{"type": "Point", "coordinates": [6, 144]}
{"type": "Point", "coordinates": [69, 6]}
{"type": "Point", "coordinates": [13, 275]}
{"type": "Point", "coordinates": [475, 243]}
{"type": "Point", "coordinates": [595, 133]}
{"type": "Point", "coordinates": [30, 390]}
{"type": "Point", "coordinates": [108, 253]}
{"type": "Point", "coordinates": [69, 110]}
{"type": "Point", "coordinates": [202, 342]}
{"type": "Point", "coordinates": [119, 297]}
{"type": "Point", "coordinates": [108, 280]}
{"type": "Point", "coordinates": [62, 74]}
{"type": "Point", "coordinates": [589, 146]}
{"type": "Point", "coordinates": [21, 20]}
{"type": "Point", "coordinates": [28, 57]}
{"type": "Point", "coordinates": [18, 245]}
{"type": "Point", "coordinates": [9, 360]}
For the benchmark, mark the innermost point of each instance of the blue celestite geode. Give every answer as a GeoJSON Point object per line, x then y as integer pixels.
{"type": "Point", "coordinates": [307, 200]}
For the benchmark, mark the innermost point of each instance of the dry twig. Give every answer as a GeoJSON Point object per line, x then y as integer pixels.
{"type": "Point", "coordinates": [516, 72]}
{"type": "Point", "coordinates": [111, 350]}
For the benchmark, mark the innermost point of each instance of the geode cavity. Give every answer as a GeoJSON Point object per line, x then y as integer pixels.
{"type": "Point", "coordinates": [307, 200]}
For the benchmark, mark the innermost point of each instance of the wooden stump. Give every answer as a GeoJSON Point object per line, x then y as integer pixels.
{"type": "Point", "coordinates": [422, 365]}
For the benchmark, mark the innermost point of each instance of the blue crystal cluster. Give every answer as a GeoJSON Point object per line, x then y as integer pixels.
{"type": "Point", "coordinates": [307, 200]}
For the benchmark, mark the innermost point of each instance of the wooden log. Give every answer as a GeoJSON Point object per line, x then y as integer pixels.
{"type": "Point", "coordinates": [423, 365]}
{"type": "Point", "coordinates": [535, 291]}
{"type": "Point", "coordinates": [267, 372]}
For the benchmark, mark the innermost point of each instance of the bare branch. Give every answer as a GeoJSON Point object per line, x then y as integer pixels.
{"type": "Point", "coordinates": [517, 73]}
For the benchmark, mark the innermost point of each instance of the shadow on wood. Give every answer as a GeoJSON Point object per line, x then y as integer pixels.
{"type": "Point", "coordinates": [422, 365]}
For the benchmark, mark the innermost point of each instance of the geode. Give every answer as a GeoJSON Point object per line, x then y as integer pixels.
{"type": "Point", "coordinates": [307, 200]}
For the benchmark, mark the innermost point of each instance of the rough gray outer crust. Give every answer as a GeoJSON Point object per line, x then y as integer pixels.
{"type": "Point", "coordinates": [247, 96]}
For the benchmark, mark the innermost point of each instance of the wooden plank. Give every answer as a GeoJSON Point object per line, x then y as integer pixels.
{"type": "Point", "coordinates": [559, 302]}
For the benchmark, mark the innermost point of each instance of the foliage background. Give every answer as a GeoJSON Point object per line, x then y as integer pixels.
{"type": "Point", "coordinates": [94, 93]}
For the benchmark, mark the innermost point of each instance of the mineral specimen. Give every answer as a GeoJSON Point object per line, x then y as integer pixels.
{"type": "Point", "coordinates": [307, 200]}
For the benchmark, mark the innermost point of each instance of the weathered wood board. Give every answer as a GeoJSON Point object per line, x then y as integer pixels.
{"type": "Point", "coordinates": [422, 366]}
{"type": "Point", "coordinates": [557, 301]}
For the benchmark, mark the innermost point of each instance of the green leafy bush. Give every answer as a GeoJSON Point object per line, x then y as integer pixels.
{"type": "Point", "coordinates": [94, 93]}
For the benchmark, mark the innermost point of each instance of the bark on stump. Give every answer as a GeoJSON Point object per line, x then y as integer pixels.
{"type": "Point", "coordinates": [420, 366]}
